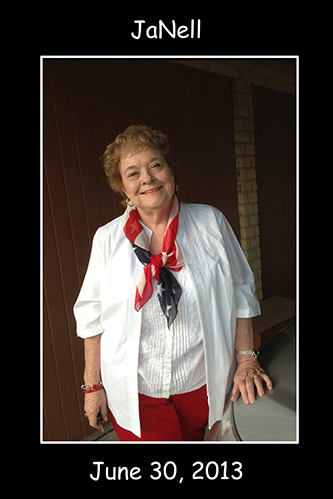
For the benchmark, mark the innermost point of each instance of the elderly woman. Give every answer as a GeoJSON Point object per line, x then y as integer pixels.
{"type": "Point", "coordinates": [166, 304]}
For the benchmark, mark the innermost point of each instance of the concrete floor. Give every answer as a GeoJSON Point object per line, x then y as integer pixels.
{"type": "Point", "coordinates": [108, 435]}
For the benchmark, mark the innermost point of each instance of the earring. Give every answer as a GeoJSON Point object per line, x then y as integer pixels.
{"type": "Point", "coordinates": [176, 188]}
{"type": "Point", "coordinates": [129, 203]}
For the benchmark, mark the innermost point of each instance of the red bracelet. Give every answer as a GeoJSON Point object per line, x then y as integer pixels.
{"type": "Point", "coordinates": [93, 388]}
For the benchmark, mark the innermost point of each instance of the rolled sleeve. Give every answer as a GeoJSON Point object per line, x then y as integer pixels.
{"type": "Point", "coordinates": [87, 308]}
{"type": "Point", "coordinates": [247, 304]}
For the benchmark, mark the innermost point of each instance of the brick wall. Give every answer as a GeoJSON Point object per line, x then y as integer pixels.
{"type": "Point", "coordinates": [276, 74]}
{"type": "Point", "coordinates": [246, 177]}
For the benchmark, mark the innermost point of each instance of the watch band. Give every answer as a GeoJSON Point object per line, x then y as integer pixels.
{"type": "Point", "coordinates": [253, 352]}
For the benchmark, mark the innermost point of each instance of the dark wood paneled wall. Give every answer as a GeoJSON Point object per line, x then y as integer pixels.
{"type": "Point", "coordinates": [86, 104]}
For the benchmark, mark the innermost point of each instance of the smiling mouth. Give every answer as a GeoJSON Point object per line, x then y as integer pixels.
{"type": "Point", "coordinates": [151, 191]}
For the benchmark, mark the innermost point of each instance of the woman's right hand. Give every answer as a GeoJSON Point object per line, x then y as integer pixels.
{"type": "Point", "coordinates": [94, 403]}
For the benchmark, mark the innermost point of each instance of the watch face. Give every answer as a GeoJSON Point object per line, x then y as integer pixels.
{"type": "Point", "coordinates": [256, 352]}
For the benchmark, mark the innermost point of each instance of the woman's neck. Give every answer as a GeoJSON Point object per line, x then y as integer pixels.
{"type": "Point", "coordinates": [157, 219]}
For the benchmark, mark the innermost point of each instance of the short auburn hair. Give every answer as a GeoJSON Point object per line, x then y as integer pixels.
{"type": "Point", "coordinates": [134, 137]}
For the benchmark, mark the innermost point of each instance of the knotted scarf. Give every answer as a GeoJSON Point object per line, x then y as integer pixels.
{"type": "Point", "coordinates": [157, 266]}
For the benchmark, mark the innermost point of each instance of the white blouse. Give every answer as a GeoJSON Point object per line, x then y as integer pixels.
{"type": "Point", "coordinates": [171, 361]}
{"type": "Point", "coordinates": [218, 276]}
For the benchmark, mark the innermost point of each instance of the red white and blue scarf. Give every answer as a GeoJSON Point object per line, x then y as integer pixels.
{"type": "Point", "coordinates": [157, 266]}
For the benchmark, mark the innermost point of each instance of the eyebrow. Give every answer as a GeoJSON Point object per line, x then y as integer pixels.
{"type": "Point", "coordinates": [155, 158]}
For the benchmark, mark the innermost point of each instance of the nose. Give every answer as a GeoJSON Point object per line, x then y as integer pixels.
{"type": "Point", "coordinates": [147, 177]}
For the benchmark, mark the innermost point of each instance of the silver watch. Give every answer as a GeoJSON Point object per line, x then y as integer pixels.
{"type": "Point", "coordinates": [253, 352]}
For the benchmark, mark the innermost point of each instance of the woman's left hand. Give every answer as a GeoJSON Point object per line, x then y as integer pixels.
{"type": "Point", "coordinates": [249, 378]}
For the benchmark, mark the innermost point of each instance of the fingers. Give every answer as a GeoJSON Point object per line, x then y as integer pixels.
{"type": "Point", "coordinates": [243, 388]}
{"type": "Point", "coordinates": [92, 418]}
{"type": "Point", "coordinates": [246, 389]}
{"type": "Point", "coordinates": [267, 380]}
{"type": "Point", "coordinates": [258, 384]}
{"type": "Point", "coordinates": [248, 384]}
{"type": "Point", "coordinates": [93, 404]}
{"type": "Point", "coordinates": [104, 412]}
{"type": "Point", "coordinates": [235, 393]}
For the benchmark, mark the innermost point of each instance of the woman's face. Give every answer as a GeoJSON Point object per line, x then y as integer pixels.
{"type": "Point", "coordinates": [147, 178]}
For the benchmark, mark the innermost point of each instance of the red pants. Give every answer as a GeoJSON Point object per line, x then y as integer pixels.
{"type": "Point", "coordinates": [180, 417]}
